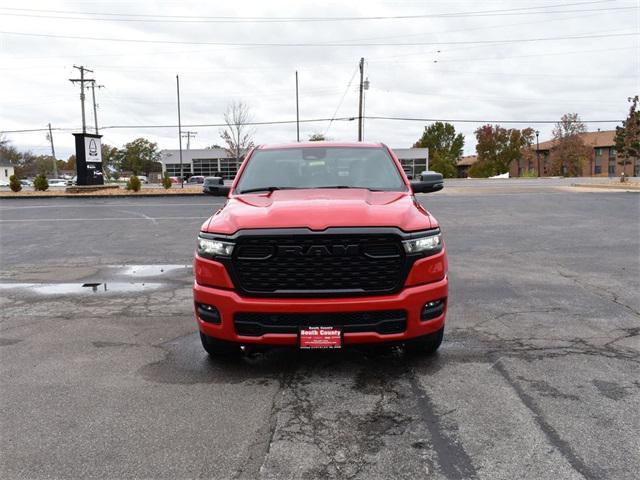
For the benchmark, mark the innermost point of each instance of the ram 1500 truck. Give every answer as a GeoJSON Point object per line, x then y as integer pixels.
{"type": "Point", "coordinates": [321, 245]}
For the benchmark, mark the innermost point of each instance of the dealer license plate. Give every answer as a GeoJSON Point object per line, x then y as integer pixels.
{"type": "Point", "coordinates": [320, 337]}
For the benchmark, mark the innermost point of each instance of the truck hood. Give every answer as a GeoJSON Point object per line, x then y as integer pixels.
{"type": "Point", "coordinates": [319, 209]}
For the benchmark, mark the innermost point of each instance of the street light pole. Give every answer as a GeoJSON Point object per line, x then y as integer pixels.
{"type": "Point", "coordinates": [538, 151]}
{"type": "Point", "coordinates": [180, 132]}
{"type": "Point", "coordinates": [297, 111]}
{"type": "Point", "coordinates": [361, 95]}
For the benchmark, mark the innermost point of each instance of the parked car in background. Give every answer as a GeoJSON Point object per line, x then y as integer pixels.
{"type": "Point", "coordinates": [175, 179]}
{"type": "Point", "coordinates": [143, 179]}
{"type": "Point", "coordinates": [196, 179]}
{"type": "Point", "coordinates": [26, 182]}
{"type": "Point", "coordinates": [57, 182]}
{"type": "Point", "coordinates": [211, 185]}
{"type": "Point", "coordinates": [4, 183]}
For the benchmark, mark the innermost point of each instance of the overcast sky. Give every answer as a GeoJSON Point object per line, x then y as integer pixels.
{"type": "Point", "coordinates": [436, 62]}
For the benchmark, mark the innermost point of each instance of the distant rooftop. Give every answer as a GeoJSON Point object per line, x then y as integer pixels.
{"type": "Point", "coordinates": [596, 139]}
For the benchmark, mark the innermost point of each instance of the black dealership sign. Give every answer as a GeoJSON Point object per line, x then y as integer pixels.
{"type": "Point", "coordinates": [89, 159]}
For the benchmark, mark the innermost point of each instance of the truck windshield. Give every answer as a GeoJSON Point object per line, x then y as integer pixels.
{"type": "Point", "coordinates": [320, 167]}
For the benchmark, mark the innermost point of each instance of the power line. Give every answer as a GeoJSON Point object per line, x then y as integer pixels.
{"type": "Point", "coordinates": [313, 120]}
{"type": "Point", "coordinates": [325, 44]}
{"type": "Point", "coordinates": [451, 120]}
{"type": "Point", "coordinates": [341, 100]}
{"type": "Point", "coordinates": [128, 17]}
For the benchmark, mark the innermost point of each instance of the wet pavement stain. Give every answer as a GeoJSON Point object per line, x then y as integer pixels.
{"type": "Point", "coordinates": [547, 390]}
{"type": "Point", "coordinates": [186, 362]}
{"type": "Point", "coordinates": [4, 342]}
{"type": "Point", "coordinates": [612, 390]}
{"type": "Point", "coordinates": [150, 270]}
{"type": "Point", "coordinates": [80, 288]}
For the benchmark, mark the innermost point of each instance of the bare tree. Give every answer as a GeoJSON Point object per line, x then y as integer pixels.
{"type": "Point", "coordinates": [237, 135]}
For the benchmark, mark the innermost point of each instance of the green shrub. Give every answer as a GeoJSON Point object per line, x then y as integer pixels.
{"type": "Point", "coordinates": [14, 183]}
{"type": "Point", "coordinates": [40, 183]}
{"type": "Point", "coordinates": [166, 181]}
{"type": "Point", "coordinates": [134, 183]}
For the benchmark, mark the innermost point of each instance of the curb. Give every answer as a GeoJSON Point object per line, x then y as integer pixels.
{"type": "Point", "coordinates": [40, 197]}
{"type": "Point", "coordinates": [629, 188]}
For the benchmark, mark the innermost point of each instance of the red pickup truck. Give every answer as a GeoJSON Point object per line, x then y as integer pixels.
{"type": "Point", "coordinates": [321, 245]}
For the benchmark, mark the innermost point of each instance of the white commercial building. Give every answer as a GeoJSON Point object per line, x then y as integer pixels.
{"type": "Point", "coordinates": [6, 170]}
{"type": "Point", "coordinates": [212, 161]}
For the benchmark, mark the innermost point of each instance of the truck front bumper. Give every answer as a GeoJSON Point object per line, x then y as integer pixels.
{"type": "Point", "coordinates": [410, 299]}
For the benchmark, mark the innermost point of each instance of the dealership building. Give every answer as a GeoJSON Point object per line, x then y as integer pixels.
{"type": "Point", "coordinates": [209, 161]}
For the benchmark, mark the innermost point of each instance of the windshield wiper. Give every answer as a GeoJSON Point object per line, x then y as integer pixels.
{"type": "Point", "coordinates": [350, 186]}
{"type": "Point", "coordinates": [265, 189]}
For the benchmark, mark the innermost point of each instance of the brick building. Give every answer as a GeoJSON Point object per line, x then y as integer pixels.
{"type": "Point", "coordinates": [603, 161]}
{"type": "Point", "coordinates": [464, 164]}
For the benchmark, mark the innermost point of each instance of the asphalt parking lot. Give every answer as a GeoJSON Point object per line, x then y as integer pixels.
{"type": "Point", "coordinates": [538, 376]}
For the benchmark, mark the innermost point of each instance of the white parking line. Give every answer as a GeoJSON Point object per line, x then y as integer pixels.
{"type": "Point", "coordinates": [109, 205]}
{"type": "Point", "coordinates": [98, 219]}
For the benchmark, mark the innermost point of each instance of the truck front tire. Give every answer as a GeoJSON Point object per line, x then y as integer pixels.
{"type": "Point", "coordinates": [426, 345]}
{"type": "Point", "coordinates": [219, 348]}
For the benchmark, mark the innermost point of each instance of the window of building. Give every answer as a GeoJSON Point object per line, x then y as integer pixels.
{"type": "Point", "coordinates": [229, 167]}
{"type": "Point", "coordinates": [598, 152]}
{"type": "Point", "coordinates": [414, 166]}
{"type": "Point", "coordinates": [206, 167]}
{"type": "Point", "coordinates": [612, 152]}
{"type": "Point", "coordinates": [173, 169]}
{"type": "Point", "coordinates": [597, 169]}
{"type": "Point", "coordinates": [6, 172]}
{"type": "Point", "coordinates": [612, 167]}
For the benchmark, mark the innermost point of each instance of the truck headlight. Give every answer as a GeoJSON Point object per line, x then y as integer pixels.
{"type": "Point", "coordinates": [427, 244]}
{"type": "Point", "coordinates": [211, 248]}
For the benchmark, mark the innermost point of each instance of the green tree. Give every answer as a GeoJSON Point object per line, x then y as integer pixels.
{"type": "Point", "coordinates": [109, 156]}
{"type": "Point", "coordinates": [445, 147]}
{"type": "Point", "coordinates": [14, 183]}
{"type": "Point", "coordinates": [138, 156]}
{"type": "Point", "coordinates": [134, 183]}
{"type": "Point", "coordinates": [569, 152]}
{"type": "Point", "coordinates": [497, 147]}
{"type": "Point", "coordinates": [40, 183]}
{"type": "Point", "coordinates": [166, 181]}
{"type": "Point", "coordinates": [627, 139]}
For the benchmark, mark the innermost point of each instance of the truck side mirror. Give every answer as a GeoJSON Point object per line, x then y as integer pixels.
{"type": "Point", "coordinates": [428, 182]}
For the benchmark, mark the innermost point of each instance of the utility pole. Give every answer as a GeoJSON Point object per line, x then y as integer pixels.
{"type": "Point", "coordinates": [361, 95]}
{"type": "Point", "coordinates": [82, 81]}
{"type": "Point", "coordinates": [180, 132]}
{"type": "Point", "coordinates": [53, 154]}
{"type": "Point", "coordinates": [188, 135]}
{"type": "Point", "coordinates": [297, 111]}
{"type": "Point", "coordinates": [95, 105]}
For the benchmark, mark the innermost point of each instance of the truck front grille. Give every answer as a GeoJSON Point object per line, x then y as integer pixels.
{"type": "Point", "coordinates": [384, 322]}
{"type": "Point", "coordinates": [319, 264]}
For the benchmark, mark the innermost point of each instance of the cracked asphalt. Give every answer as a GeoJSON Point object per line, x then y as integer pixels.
{"type": "Point", "coordinates": [538, 376]}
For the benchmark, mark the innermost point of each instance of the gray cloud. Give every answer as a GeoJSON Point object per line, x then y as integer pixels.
{"type": "Point", "coordinates": [532, 80]}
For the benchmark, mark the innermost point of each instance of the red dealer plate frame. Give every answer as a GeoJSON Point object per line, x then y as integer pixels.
{"type": "Point", "coordinates": [320, 338]}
